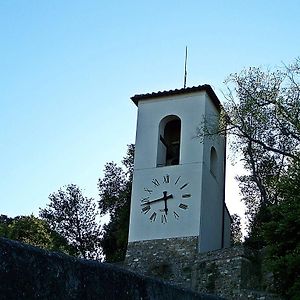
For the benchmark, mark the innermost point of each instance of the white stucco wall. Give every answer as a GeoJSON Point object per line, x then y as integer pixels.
{"type": "Point", "coordinates": [212, 194]}
{"type": "Point", "coordinates": [227, 232]}
{"type": "Point", "coordinates": [189, 109]}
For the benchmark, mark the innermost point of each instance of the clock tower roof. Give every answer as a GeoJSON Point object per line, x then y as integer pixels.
{"type": "Point", "coordinates": [207, 88]}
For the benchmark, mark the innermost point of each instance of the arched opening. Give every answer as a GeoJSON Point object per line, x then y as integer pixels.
{"type": "Point", "coordinates": [213, 161]}
{"type": "Point", "coordinates": [168, 152]}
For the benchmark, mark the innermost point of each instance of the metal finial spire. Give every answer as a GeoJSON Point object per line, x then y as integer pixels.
{"type": "Point", "coordinates": [185, 72]}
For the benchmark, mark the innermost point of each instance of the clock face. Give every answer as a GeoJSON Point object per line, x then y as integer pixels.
{"type": "Point", "coordinates": [165, 198]}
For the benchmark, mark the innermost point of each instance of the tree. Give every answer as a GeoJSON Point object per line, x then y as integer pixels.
{"type": "Point", "coordinates": [262, 118]}
{"type": "Point", "coordinates": [33, 231]}
{"type": "Point", "coordinates": [282, 235]}
{"type": "Point", "coordinates": [236, 230]}
{"type": "Point", "coordinates": [4, 223]}
{"type": "Point", "coordinates": [115, 194]}
{"type": "Point", "coordinates": [74, 217]}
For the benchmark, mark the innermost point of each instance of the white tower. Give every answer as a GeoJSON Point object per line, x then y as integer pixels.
{"type": "Point", "coordinates": [178, 182]}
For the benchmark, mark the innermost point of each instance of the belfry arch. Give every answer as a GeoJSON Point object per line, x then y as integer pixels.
{"type": "Point", "coordinates": [213, 161]}
{"type": "Point", "coordinates": [169, 136]}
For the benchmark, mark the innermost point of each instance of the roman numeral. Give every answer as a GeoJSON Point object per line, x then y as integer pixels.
{"type": "Point", "coordinates": [146, 199]}
{"type": "Point", "coordinates": [186, 195]}
{"type": "Point", "coordinates": [155, 182]}
{"type": "Point", "coordinates": [184, 186]}
{"type": "Point", "coordinates": [148, 190]}
{"type": "Point", "coordinates": [146, 209]}
{"type": "Point", "coordinates": [183, 206]}
{"type": "Point", "coordinates": [177, 179]}
{"type": "Point", "coordinates": [167, 179]}
{"type": "Point", "coordinates": [164, 219]}
{"type": "Point", "coordinates": [176, 215]}
{"type": "Point", "coordinates": [153, 217]}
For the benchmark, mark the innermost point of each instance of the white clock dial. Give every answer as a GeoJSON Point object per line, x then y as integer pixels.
{"type": "Point", "coordinates": [164, 198]}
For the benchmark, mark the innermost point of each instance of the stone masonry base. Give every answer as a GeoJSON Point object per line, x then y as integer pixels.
{"type": "Point", "coordinates": [233, 273]}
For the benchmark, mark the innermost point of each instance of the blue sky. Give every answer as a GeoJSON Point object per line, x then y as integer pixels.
{"type": "Point", "coordinates": [69, 68]}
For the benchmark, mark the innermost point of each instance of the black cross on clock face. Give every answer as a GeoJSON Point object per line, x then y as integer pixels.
{"type": "Point", "coordinates": [165, 198]}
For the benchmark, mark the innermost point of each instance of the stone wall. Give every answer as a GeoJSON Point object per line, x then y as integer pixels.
{"type": "Point", "coordinates": [233, 273]}
{"type": "Point", "coordinates": [27, 272]}
{"type": "Point", "coordinates": [165, 258]}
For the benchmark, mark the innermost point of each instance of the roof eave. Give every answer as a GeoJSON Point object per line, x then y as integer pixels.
{"type": "Point", "coordinates": [207, 88]}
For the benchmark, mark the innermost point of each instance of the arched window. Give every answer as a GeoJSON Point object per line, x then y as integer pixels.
{"type": "Point", "coordinates": [213, 161]}
{"type": "Point", "coordinates": [168, 152]}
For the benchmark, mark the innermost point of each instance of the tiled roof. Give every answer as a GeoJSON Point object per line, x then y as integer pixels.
{"type": "Point", "coordinates": [207, 88]}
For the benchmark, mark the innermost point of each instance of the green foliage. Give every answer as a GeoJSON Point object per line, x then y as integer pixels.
{"type": "Point", "coordinates": [33, 231]}
{"type": "Point", "coordinates": [263, 112]}
{"type": "Point", "coordinates": [115, 194]}
{"type": "Point", "coordinates": [74, 217]}
{"type": "Point", "coordinates": [236, 230]}
{"type": "Point", "coordinates": [4, 223]}
{"type": "Point", "coordinates": [115, 235]}
{"type": "Point", "coordinates": [282, 235]}
{"type": "Point", "coordinates": [262, 119]}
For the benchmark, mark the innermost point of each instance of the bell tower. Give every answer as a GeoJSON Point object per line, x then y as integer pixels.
{"type": "Point", "coordinates": [178, 182]}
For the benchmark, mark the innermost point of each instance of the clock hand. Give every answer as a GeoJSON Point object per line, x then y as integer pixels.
{"type": "Point", "coordinates": [156, 200]}
{"type": "Point", "coordinates": [165, 197]}
{"type": "Point", "coordinates": [165, 200]}
{"type": "Point", "coordinates": [166, 207]}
